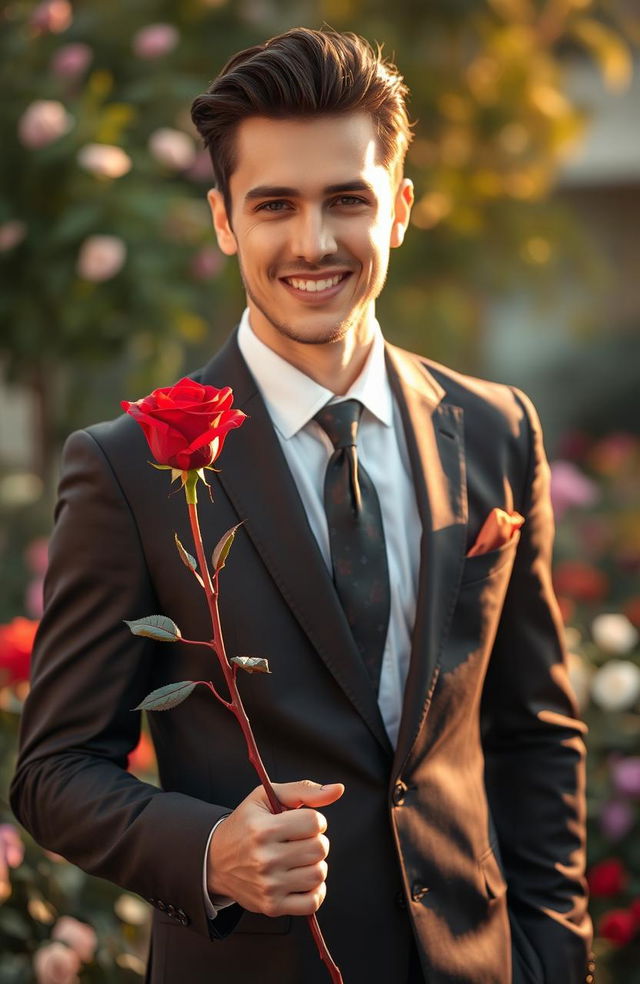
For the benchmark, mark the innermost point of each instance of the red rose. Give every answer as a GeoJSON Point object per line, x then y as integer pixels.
{"type": "Point", "coordinates": [607, 878]}
{"type": "Point", "coordinates": [618, 926]}
{"type": "Point", "coordinates": [16, 643]}
{"type": "Point", "coordinates": [579, 581]}
{"type": "Point", "coordinates": [185, 425]}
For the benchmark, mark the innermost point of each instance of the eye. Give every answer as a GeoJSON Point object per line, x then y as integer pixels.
{"type": "Point", "coordinates": [350, 200]}
{"type": "Point", "coordinates": [273, 206]}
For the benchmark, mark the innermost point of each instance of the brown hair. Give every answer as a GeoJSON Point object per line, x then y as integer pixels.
{"type": "Point", "coordinates": [302, 73]}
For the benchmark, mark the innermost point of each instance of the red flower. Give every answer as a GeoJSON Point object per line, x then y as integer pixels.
{"type": "Point", "coordinates": [618, 926]}
{"type": "Point", "coordinates": [16, 643]}
{"type": "Point", "coordinates": [579, 581]}
{"type": "Point", "coordinates": [607, 878]}
{"type": "Point", "coordinates": [185, 425]}
{"type": "Point", "coordinates": [142, 758]}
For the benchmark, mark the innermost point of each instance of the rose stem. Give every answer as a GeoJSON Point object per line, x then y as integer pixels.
{"type": "Point", "coordinates": [237, 707]}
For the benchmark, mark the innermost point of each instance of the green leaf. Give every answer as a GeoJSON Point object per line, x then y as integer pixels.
{"type": "Point", "coordinates": [223, 547]}
{"type": "Point", "coordinates": [251, 664]}
{"type": "Point", "coordinates": [157, 627]}
{"type": "Point", "coordinates": [164, 698]}
{"type": "Point", "coordinates": [185, 557]}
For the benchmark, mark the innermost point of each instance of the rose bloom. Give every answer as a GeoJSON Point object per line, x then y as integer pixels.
{"type": "Point", "coordinates": [11, 856]}
{"type": "Point", "coordinates": [618, 926]}
{"type": "Point", "coordinates": [79, 936]}
{"type": "Point", "coordinates": [143, 757]}
{"type": "Point", "coordinates": [11, 234]}
{"type": "Point", "coordinates": [614, 632]}
{"type": "Point", "coordinates": [186, 425]}
{"type": "Point", "coordinates": [55, 963]}
{"type": "Point", "coordinates": [173, 148]}
{"type": "Point", "coordinates": [579, 581]}
{"type": "Point", "coordinates": [104, 160]}
{"type": "Point", "coordinates": [52, 17]}
{"type": "Point", "coordinates": [607, 878]}
{"type": "Point", "coordinates": [101, 258]}
{"type": "Point", "coordinates": [16, 643]}
{"type": "Point", "coordinates": [625, 773]}
{"type": "Point", "coordinates": [71, 60]}
{"type": "Point", "coordinates": [617, 817]}
{"type": "Point", "coordinates": [616, 685]}
{"type": "Point", "coordinates": [43, 122]}
{"type": "Point", "coordinates": [155, 40]}
{"type": "Point", "coordinates": [570, 487]}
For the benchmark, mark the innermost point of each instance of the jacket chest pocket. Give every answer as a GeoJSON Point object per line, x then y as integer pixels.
{"type": "Point", "coordinates": [485, 565]}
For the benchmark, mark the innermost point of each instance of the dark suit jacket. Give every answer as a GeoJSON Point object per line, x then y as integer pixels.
{"type": "Point", "coordinates": [469, 836]}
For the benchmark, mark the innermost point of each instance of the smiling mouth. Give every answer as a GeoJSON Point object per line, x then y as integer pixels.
{"type": "Point", "coordinates": [313, 287]}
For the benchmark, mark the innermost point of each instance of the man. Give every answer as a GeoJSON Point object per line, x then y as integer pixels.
{"type": "Point", "coordinates": [393, 566]}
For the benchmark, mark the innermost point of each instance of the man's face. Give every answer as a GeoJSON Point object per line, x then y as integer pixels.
{"type": "Point", "coordinates": [313, 218]}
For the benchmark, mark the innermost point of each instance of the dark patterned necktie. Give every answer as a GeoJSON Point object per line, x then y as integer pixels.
{"type": "Point", "coordinates": [356, 536]}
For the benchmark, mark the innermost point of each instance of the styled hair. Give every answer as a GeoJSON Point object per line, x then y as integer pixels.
{"type": "Point", "coordinates": [302, 74]}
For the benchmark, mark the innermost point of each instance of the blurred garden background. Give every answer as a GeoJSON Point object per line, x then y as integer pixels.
{"type": "Point", "coordinates": [523, 265]}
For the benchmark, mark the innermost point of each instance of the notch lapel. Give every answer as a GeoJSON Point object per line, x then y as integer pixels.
{"type": "Point", "coordinates": [256, 477]}
{"type": "Point", "coordinates": [435, 441]}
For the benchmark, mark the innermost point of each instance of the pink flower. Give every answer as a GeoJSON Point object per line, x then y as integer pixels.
{"type": "Point", "coordinates": [201, 169]}
{"type": "Point", "coordinates": [71, 60]}
{"type": "Point", "coordinates": [570, 487]}
{"type": "Point", "coordinates": [104, 160]}
{"type": "Point", "coordinates": [34, 598]}
{"type": "Point", "coordinates": [55, 963]}
{"type": "Point", "coordinates": [37, 555]}
{"type": "Point", "coordinates": [78, 935]}
{"type": "Point", "coordinates": [51, 17]}
{"type": "Point", "coordinates": [155, 40]}
{"type": "Point", "coordinates": [11, 234]}
{"type": "Point", "coordinates": [11, 856]}
{"type": "Point", "coordinates": [43, 122]}
{"type": "Point", "coordinates": [173, 148]}
{"type": "Point", "coordinates": [206, 263]}
{"type": "Point", "coordinates": [625, 774]}
{"type": "Point", "coordinates": [616, 819]}
{"type": "Point", "coordinates": [101, 258]}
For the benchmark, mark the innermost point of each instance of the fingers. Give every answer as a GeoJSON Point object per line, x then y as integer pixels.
{"type": "Point", "coordinates": [307, 793]}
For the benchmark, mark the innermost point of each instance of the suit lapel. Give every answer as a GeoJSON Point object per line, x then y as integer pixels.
{"type": "Point", "coordinates": [255, 475]}
{"type": "Point", "coordinates": [435, 441]}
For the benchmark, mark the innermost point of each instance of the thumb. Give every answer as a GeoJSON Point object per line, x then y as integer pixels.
{"type": "Point", "coordinates": [307, 793]}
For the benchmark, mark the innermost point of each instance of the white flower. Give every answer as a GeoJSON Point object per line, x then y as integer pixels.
{"type": "Point", "coordinates": [614, 632]}
{"type": "Point", "coordinates": [42, 122]}
{"type": "Point", "coordinates": [101, 257]}
{"type": "Point", "coordinates": [155, 40]}
{"type": "Point", "coordinates": [104, 160]}
{"type": "Point", "coordinates": [616, 685]}
{"type": "Point", "coordinates": [173, 148]}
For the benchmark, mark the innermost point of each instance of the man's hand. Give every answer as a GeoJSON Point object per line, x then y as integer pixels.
{"type": "Point", "coordinates": [274, 863]}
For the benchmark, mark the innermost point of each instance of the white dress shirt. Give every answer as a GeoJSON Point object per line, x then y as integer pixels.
{"type": "Point", "coordinates": [292, 399]}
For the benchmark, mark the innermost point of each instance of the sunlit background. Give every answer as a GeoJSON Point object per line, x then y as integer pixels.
{"type": "Point", "coordinates": [522, 265]}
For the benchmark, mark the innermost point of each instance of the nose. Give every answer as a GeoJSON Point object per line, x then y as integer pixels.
{"type": "Point", "coordinates": [313, 236]}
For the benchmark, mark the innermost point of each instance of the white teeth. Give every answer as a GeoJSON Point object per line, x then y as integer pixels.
{"type": "Point", "coordinates": [314, 285]}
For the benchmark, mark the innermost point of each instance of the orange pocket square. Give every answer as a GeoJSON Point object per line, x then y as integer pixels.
{"type": "Point", "coordinates": [497, 530]}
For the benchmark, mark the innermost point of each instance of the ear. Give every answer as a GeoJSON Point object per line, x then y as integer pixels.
{"type": "Point", "coordinates": [224, 233]}
{"type": "Point", "coordinates": [401, 212]}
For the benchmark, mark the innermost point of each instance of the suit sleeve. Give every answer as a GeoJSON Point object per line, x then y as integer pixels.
{"type": "Point", "coordinates": [534, 749]}
{"type": "Point", "coordinates": [71, 789]}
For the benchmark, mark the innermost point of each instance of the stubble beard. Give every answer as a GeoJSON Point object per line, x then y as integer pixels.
{"type": "Point", "coordinates": [323, 335]}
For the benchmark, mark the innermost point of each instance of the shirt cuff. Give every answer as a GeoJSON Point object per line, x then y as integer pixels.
{"type": "Point", "coordinates": [213, 904]}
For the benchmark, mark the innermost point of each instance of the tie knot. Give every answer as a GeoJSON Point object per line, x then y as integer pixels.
{"type": "Point", "coordinates": [340, 422]}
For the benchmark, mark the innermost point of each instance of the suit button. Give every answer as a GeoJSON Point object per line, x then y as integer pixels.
{"type": "Point", "coordinates": [418, 892]}
{"type": "Point", "coordinates": [400, 900]}
{"type": "Point", "coordinates": [399, 791]}
{"type": "Point", "coordinates": [171, 911]}
{"type": "Point", "coordinates": [161, 905]}
{"type": "Point", "coordinates": [183, 918]}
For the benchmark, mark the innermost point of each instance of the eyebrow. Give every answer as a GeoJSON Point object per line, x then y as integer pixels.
{"type": "Point", "coordinates": [282, 191]}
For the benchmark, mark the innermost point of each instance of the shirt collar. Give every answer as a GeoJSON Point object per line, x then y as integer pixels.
{"type": "Point", "coordinates": [293, 398]}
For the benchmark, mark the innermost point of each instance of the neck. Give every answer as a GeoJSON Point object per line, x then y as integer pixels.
{"type": "Point", "coordinates": [335, 364]}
